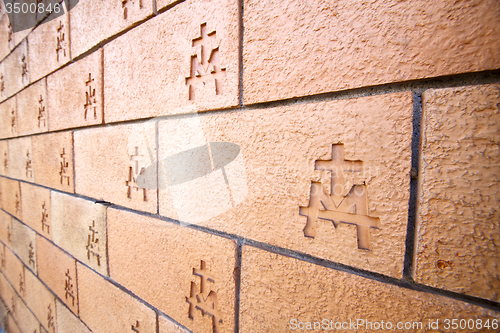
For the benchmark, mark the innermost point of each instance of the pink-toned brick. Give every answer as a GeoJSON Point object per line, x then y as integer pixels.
{"type": "Point", "coordinates": [105, 308]}
{"type": "Point", "coordinates": [32, 110]}
{"type": "Point", "coordinates": [5, 228]}
{"type": "Point", "coordinates": [20, 163]}
{"type": "Point", "coordinates": [8, 118]}
{"type": "Point", "coordinates": [68, 322]}
{"type": "Point", "coordinates": [4, 158]}
{"type": "Point", "coordinates": [35, 204]}
{"type": "Point", "coordinates": [75, 94]}
{"type": "Point", "coordinates": [138, 245]}
{"type": "Point", "coordinates": [152, 77]}
{"type": "Point", "coordinates": [293, 48]}
{"type": "Point", "coordinates": [165, 325]}
{"type": "Point", "coordinates": [41, 302]}
{"type": "Point", "coordinates": [15, 273]}
{"type": "Point", "coordinates": [24, 244]}
{"type": "Point", "coordinates": [11, 197]}
{"type": "Point", "coordinates": [118, 164]}
{"type": "Point", "coordinates": [16, 70]}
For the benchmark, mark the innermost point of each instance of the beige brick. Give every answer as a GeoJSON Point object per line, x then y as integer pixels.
{"type": "Point", "coordinates": [11, 197]}
{"type": "Point", "coordinates": [32, 110]}
{"type": "Point", "coordinates": [138, 245]}
{"type": "Point", "coordinates": [68, 322]}
{"type": "Point", "coordinates": [41, 302]}
{"type": "Point", "coordinates": [2, 258]}
{"type": "Point", "coordinates": [79, 227]}
{"type": "Point", "coordinates": [293, 49]}
{"type": "Point", "coordinates": [24, 244]}
{"type": "Point", "coordinates": [269, 161]}
{"type": "Point", "coordinates": [6, 228]}
{"type": "Point", "coordinates": [49, 47]}
{"type": "Point", "coordinates": [12, 326]}
{"type": "Point", "coordinates": [152, 77]}
{"type": "Point", "coordinates": [4, 158]}
{"type": "Point", "coordinates": [95, 21]}
{"type": "Point", "coordinates": [165, 325]}
{"type": "Point", "coordinates": [16, 70]}
{"type": "Point", "coordinates": [9, 295]}
{"type": "Point", "coordinates": [20, 162]}
{"type": "Point", "coordinates": [275, 290]}
{"type": "Point", "coordinates": [53, 160]}
{"type": "Point", "coordinates": [36, 208]}
{"type": "Point", "coordinates": [75, 94]}
{"type": "Point", "coordinates": [15, 273]}
{"type": "Point", "coordinates": [118, 164]}
{"type": "Point", "coordinates": [105, 308]}
{"type": "Point", "coordinates": [58, 271]}
{"type": "Point", "coordinates": [6, 37]}
{"type": "Point", "coordinates": [4, 311]}
{"type": "Point", "coordinates": [8, 118]}
{"type": "Point", "coordinates": [457, 228]}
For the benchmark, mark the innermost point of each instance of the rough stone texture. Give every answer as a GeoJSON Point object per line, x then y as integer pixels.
{"type": "Point", "coordinates": [105, 308]}
{"type": "Point", "coordinates": [75, 94]}
{"type": "Point", "coordinates": [140, 246]}
{"type": "Point", "coordinates": [11, 197]}
{"type": "Point", "coordinates": [294, 48]}
{"type": "Point", "coordinates": [5, 228]}
{"type": "Point", "coordinates": [277, 289]}
{"type": "Point", "coordinates": [150, 78]}
{"type": "Point", "coordinates": [41, 302]}
{"type": "Point", "coordinates": [21, 159]}
{"type": "Point", "coordinates": [35, 202]}
{"type": "Point", "coordinates": [165, 325]}
{"type": "Point", "coordinates": [49, 47]}
{"type": "Point", "coordinates": [4, 158]}
{"type": "Point", "coordinates": [458, 234]}
{"type": "Point", "coordinates": [53, 160]}
{"type": "Point", "coordinates": [8, 118]}
{"type": "Point", "coordinates": [95, 21]}
{"type": "Point", "coordinates": [15, 273]}
{"type": "Point", "coordinates": [16, 70]}
{"type": "Point", "coordinates": [278, 151]}
{"type": "Point", "coordinates": [111, 160]}
{"type": "Point", "coordinates": [32, 110]}
{"type": "Point", "coordinates": [24, 244]}
{"type": "Point", "coordinates": [68, 322]}
{"type": "Point", "coordinates": [79, 227]}
{"type": "Point", "coordinates": [58, 271]}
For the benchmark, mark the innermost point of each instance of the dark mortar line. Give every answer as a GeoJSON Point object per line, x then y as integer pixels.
{"type": "Point", "coordinates": [241, 27]}
{"type": "Point", "coordinates": [238, 287]}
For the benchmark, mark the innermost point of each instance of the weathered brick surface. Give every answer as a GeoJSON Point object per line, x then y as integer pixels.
{"type": "Point", "coordinates": [8, 118]}
{"type": "Point", "coordinates": [4, 311]}
{"type": "Point", "coordinates": [270, 179]}
{"type": "Point", "coordinates": [15, 273]}
{"type": "Point", "coordinates": [68, 322]}
{"type": "Point", "coordinates": [21, 159]}
{"type": "Point", "coordinates": [11, 197]}
{"type": "Point", "coordinates": [53, 160]}
{"type": "Point", "coordinates": [6, 228]}
{"type": "Point", "coordinates": [138, 245]}
{"type": "Point", "coordinates": [32, 110]}
{"type": "Point", "coordinates": [58, 271]}
{"type": "Point", "coordinates": [24, 244]}
{"type": "Point", "coordinates": [79, 227]}
{"type": "Point", "coordinates": [111, 161]}
{"type": "Point", "coordinates": [458, 232]}
{"type": "Point", "coordinates": [293, 48]}
{"type": "Point", "coordinates": [6, 38]}
{"type": "Point", "coordinates": [75, 94]}
{"type": "Point", "coordinates": [41, 302]}
{"type": "Point", "coordinates": [4, 157]}
{"type": "Point", "coordinates": [16, 70]}
{"type": "Point", "coordinates": [105, 308]}
{"type": "Point", "coordinates": [95, 21]}
{"type": "Point", "coordinates": [49, 47]}
{"type": "Point", "coordinates": [165, 325]}
{"type": "Point", "coordinates": [151, 78]}
{"type": "Point", "coordinates": [277, 289]}
{"type": "Point", "coordinates": [35, 202]}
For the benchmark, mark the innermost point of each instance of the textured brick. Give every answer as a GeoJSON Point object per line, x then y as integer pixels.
{"type": "Point", "coordinates": [151, 78]}
{"type": "Point", "coordinates": [12, 326]}
{"type": "Point", "coordinates": [49, 47]}
{"type": "Point", "coordinates": [32, 110]}
{"type": "Point", "coordinates": [58, 271]}
{"type": "Point", "coordinates": [110, 162]}
{"type": "Point", "coordinates": [79, 227]}
{"type": "Point", "coordinates": [6, 37]}
{"type": "Point", "coordinates": [105, 308]}
{"type": "Point", "coordinates": [276, 289]}
{"type": "Point", "coordinates": [165, 325]}
{"type": "Point", "coordinates": [75, 94]}
{"type": "Point", "coordinates": [4, 311]}
{"type": "Point", "coordinates": [35, 204]}
{"type": "Point", "coordinates": [278, 150]}
{"type": "Point", "coordinates": [4, 158]}
{"type": "Point", "coordinates": [41, 302]}
{"type": "Point", "coordinates": [138, 245]}
{"type": "Point", "coordinates": [15, 273]}
{"type": "Point", "coordinates": [24, 244]}
{"type": "Point", "coordinates": [53, 160]}
{"type": "Point", "coordinates": [68, 322]}
{"type": "Point", "coordinates": [457, 230]}
{"type": "Point", "coordinates": [16, 70]}
{"type": "Point", "coordinates": [8, 118]}
{"type": "Point", "coordinates": [20, 162]}
{"type": "Point", "coordinates": [95, 21]}
{"type": "Point", "coordinates": [6, 228]}
{"type": "Point", "coordinates": [293, 48]}
{"type": "Point", "coordinates": [11, 197]}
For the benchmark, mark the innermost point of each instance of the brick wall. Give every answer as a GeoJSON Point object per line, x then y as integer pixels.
{"type": "Point", "coordinates": [251, 166]}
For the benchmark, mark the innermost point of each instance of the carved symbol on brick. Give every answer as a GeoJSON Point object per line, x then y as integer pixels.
{"type": "Point", "coordinates": [93, 244]}
{"type": "Point", "coordinates": [24, 68]}
{"type": "Point", "coordinates": [339, 207]}
{"type": "Point", "coordinates": [3, 258]}
{"type": "Point", "coordinates": [14, 306]}
{"type": "Point", "coordinates": [125, 4]}
{"type": "Point", "coordinates": [11, 33]}
{"type": "Point", "coordinates": [61, 42]}
{"type": "Point", "coordinates": [45, 216]}
{"type": "Point", "coordinates": [64, 168]}
{"type": "Point", "coordinates": [2, 84]}
{"type": "Point", "coordinates": [5, 160]}
{"type": "Point", "coordinates": [204, 299]}
{"type": "Point", "coordinates": [31, 255]}
{"type": "Point", "coordinates": [21, 284]}
{"type": "Point", "coordinates": [68, 288]}
{"type": "Point", "coordinates": [18, 204]}
{"type": "Point", "coordinates": [90, 99]}
{"type": "Point", "coordinates": [205, 62]}
{"type": "Point", "coordinates": [50, 319]}
{"type": "Point", "coordinates": [13, 121]}
{"type": "Point", "coordinates": [136, 169]}
{"type": "Point", "coordinates": [29, 167]}
{"type": "Point", "coordinates": [42, 118]}
{"type": "Point", "coordinates": [135, 328]}
{"type": "Point", "coordinates": [9, 233]}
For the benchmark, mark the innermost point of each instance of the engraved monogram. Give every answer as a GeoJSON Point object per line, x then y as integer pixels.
{"type": "Point", "coordinates": [42, 117]}
{"type": "Point", "coordinates": [64, 165]}
{"type": "Point", "coordinates": [126, 3]}
{"type": "Point", "coordinates": [138, 163]}
{"type": "Point", "coordinates": [61, 41]}
{"type": "Point", "coordinates": [90, 99]}
{"type": "Point", "coordinates": [93, 244]}
{"type": "Point", "coordinates": [68, 288]}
